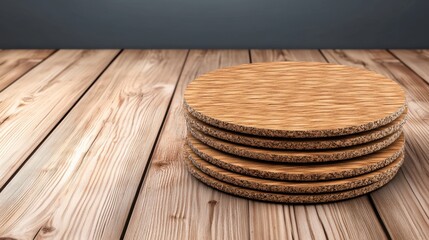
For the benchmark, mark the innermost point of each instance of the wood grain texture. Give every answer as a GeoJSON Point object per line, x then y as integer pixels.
{"type": "Point", "coordinates": [15, 63]}
{"type": "Point", "coordinates": [403, 205]}
{"type": "Point", "coordinates": [318, 221]}
{"type": "Point", "coordinates": [172, 204]}
{"type": "Point", "coordinates": [294, 171]}
{"type": "Point", "coordinates": [294, 99]}
{"type": "Point", "coordinates": [289, 198]}
{"type": "Point", "coordinates": [31, 107]}
{"type": "Point", "coordinates": [349, 219]}
{"type": "Point", "coordinates": [81, 182]}
{"type": "Point", "coordinates": [270, 185]}
{"type": "Point", "coordinates": [297, 143]}
{"type": "Point", "coordinates": [417, 60]}
{"type": "Point", "coordinates": [295, 156]}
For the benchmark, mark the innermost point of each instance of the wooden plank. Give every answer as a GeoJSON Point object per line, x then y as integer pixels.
{"type": "Point", "coordinates": [343, 220]}
{"type": "Point", "coordinates": [404, 203]}
{"type": "Point", "coordinates": [417, 60]}
{"type": "Point", "coordinates": [171, 203]}
{"type": "Point", "coordinates": [81, 182]}
{"type": "Point", "coordinates": [15, 63]}
{"type": "Point", "coordinates": [32, 106]}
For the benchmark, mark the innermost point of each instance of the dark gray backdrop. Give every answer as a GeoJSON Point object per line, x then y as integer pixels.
{"type": "Point", "coordinates": [214, 24]}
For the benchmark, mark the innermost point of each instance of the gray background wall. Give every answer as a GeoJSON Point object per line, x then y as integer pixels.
{"type": "Point", "coordinates": [214, 24]}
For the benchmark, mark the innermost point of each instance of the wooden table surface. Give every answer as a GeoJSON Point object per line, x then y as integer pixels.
{"type": "Point", "coordinates": [91, 142]}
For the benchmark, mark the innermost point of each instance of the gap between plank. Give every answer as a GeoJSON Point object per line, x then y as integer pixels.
{"type": "Point", "coordinates": [423, 80]}
{"type": "Point", "coordinates": [248, 201]}
{"type": "Point", "coordinates": [406, 65]}
{"type": "Point", "coordinates": [371, 201]}
{"type": "Point", "coordinates": [412, 190]}
{"type": "Point", "coordinates": [250, 55]}
{"type": "Point", "coordinates": [368, 196]}
{"type": "Point", "coordinates": [61, 119]}
{"type": "Point", "coordinates": [323, 55]}
{"type": "Point", "coordinates": [320, 220]}
{"type": "Point", "coordinates": [83, 157]}
{"type": "Point", "coordinates": [28, 70]}
{"type": "Point", "coordinates": [146, 169]}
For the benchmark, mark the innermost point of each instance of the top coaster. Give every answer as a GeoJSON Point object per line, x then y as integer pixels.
{"type": "Point", "coordinates": [295, 99]}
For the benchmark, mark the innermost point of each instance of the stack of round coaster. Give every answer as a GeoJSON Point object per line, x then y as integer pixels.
{"type": "Point", "coordinates": [294, 132]}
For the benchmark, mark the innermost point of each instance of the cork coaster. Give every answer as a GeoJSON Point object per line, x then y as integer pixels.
{"type": "Point", "coordinates": [297, 143]}
{"type": "Point", "coordinates": [295, 156]}
{"type": "Point", "coordinates": [295, 99]}
{"type": "Point", "coordinates": [290, 186]}
{"type": "Point", "coordinates": [299, 172]}
{"type": "Point", "coordinates": [282, 197]}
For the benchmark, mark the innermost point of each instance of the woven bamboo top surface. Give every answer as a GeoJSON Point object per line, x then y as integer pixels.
{"type": "Point", "coordinates": [295, 99]}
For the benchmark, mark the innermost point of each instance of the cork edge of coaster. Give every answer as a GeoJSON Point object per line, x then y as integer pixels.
{"type": "Point", "coordinates": [294, 143]}
{"type": "Point", "coordinates": [269, 185]}
{"type": "Point", "coordinates": [295, 134]}
{"type": "Point", "coordinates": [260, 173]}
{"type": "Point", "coordinates": [293, 156]}
{"type": "Point", "coordinates": [284, 198]}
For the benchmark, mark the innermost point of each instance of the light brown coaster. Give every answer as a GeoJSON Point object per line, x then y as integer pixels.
{"type": "Point", "coordinates": [299, 172]}
{"type": "Point", "coordinates": [282, 197]}
{"type": "Point", "coordinates": [297, 143]}
{"type": "Point", "coordinates": [295, 99]}
{"type": "Point", "coordinates": [290, 186]}
{"type": "Point", "coordinates": [296, 156]}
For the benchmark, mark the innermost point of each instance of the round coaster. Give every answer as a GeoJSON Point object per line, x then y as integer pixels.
{"type": "Point", "coordinates": [299, 172]}
{"type": "Point", "coordinates": [295, 155]}
{"type": "Point", "coordinates": [289, 186]}
{"type": "Point", "coordinates": [282, 197]}
{"type": "Point", "coordinates": [298, 143]}
{"type": "Point", "coordinates": [295, 99]}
